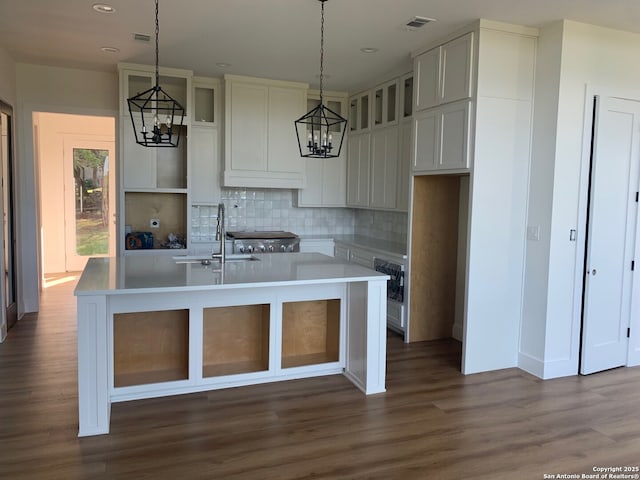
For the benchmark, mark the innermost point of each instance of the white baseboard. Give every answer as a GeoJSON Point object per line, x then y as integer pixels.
{"type": "Point", "coordinates": [560, 368]}
{"type": "Point", "coordinates": [547, 370]}
{"type": "Point", "coordinates": [531, 365]}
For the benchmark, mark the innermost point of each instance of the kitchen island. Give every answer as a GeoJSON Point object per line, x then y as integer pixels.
{"type": "Point", "coordinates": [151, 326]}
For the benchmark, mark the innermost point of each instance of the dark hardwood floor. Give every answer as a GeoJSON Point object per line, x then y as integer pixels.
{"type": "Point", "coordinates": [433, 422]}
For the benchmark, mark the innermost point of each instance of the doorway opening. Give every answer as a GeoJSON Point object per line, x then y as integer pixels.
{"type": "Point", "coordinates": [438, 257]}
{"type": "Point", "coordinates": [77, 190]}
{"type": "Point", "coordinates": [7, 165]}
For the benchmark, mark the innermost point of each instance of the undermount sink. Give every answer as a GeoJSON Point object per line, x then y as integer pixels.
{"type": "Point", "coordinates": [207, 260]}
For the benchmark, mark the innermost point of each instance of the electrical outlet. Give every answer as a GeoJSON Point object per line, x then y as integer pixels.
{"type": "Point", "coordinates": [154, 223]}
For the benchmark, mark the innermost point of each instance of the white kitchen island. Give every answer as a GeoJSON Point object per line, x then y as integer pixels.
{"type": "Point", "coordinates": [149, 326]}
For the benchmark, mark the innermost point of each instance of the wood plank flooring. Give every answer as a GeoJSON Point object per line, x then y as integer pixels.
{"type": "Point", "coordinates": [433, 422]}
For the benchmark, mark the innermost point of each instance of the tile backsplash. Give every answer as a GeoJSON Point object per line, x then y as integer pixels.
{"type": "Point", "coordinates": [272, 209]}
{"type": "Point", "coordinates": [383, 225]}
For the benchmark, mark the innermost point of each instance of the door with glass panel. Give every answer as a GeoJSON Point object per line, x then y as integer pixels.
{"type": "Point", "coordinates": [90, 190]}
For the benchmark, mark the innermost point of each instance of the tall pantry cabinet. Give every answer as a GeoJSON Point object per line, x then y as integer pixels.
{"type": "Point", "coordinates": [473, 102]}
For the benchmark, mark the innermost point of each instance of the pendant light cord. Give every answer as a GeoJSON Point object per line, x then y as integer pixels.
{"type": "Point", "coordinates": [321, 48]}
{"type": "Point", "coordinates": [157, 32]}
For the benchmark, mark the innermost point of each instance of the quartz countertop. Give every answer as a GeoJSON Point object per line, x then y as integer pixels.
{"type": "Point", "coordinates": [372, 243]}
{"type": "Point", "coordinates": [161, 273]}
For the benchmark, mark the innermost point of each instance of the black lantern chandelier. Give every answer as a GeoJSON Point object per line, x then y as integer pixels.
{"type": "Point", "coordinates": [156, 117]}
{"type": "Point", "coordinates": [321, 131]}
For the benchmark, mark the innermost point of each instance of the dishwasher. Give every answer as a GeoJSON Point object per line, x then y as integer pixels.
{"type": "Point", "coordinates": [395, 292]}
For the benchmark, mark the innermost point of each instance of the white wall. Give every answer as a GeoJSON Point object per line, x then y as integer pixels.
{"type": "Point", "coordinates": [499, 180]}
{"type": "Point", "coordinates": [7, 78]}
{"type": "Point", "coordinates": [547, 91]}
{"type": "Point", "coordinates": [591, 57]}
{"type": "Point", "coordinates": [49, 89]}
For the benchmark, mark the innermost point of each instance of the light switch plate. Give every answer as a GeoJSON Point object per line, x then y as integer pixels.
{"type": "Point", "coordinates": [533, 233]}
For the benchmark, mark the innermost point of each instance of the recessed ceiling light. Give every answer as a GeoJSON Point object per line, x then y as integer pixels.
{"type": "Point", "coordinates": [110, 49]}
{"type": "Point", "coordinates": [368, 50]}
{"type": "Point", "coordinates": [223, 65]}
{"type": "Point", "coordinates": [103, 8]}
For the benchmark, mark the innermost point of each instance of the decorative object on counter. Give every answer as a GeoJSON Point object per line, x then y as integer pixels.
{"type": "Point", "coordinates": [319, 125]}
{"type": "Point", "coordinates": [139, 241]}
{"type": "Point", "coordinates": [157, 110]}
{"type": "Point", "coordinates": [174, 241]}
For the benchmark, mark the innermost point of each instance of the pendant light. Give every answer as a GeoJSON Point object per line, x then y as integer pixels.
{"type": "Point", "coordinates": [321, 131]}
{"type": "Point", "coordinates": [156, 117]}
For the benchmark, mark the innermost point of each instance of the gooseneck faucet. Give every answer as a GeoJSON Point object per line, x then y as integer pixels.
{"type": "Point", "coordinates": [220, 233]}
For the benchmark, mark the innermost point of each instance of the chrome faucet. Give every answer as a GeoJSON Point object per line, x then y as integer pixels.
{"type": "Point", "coordinates": [220, 233]}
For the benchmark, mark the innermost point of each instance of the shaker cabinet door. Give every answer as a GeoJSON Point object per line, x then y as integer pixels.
{"type": "Point", "coordinates": [454, 153]}
{"type": "Point", "coordinates": [426, 140]}
{"type": "Point", "coordinates": [205, 165]}
{"type": "Point", "coordinates": [427, 78]}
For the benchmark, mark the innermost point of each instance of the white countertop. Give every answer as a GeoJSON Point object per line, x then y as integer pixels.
{"type": "Point", "coordinates": [161, 273]}
{"type": "Point", "coordinates": [381, 246]}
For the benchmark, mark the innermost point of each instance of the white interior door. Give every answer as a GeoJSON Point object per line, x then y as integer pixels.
{"type": "Point", "coordinates": [611, 237]}
{"type": "Point", "coordinates": [90, 191]}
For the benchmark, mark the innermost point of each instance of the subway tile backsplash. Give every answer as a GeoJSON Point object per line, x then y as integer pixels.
{"type": "Point", "coordinates": [272, 209]}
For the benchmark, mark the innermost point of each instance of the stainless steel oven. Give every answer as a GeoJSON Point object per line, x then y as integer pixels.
{"type": "Point", "coordinates": [395, 292]}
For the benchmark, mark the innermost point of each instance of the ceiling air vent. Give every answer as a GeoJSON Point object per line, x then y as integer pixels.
{"type": "Point", "coordinates": [142, 37]}
{"type": "Point", "coordinates": [418, 22]}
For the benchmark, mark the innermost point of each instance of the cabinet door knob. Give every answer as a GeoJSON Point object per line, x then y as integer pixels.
{"type": "Point", "coordinates": [593, 272]}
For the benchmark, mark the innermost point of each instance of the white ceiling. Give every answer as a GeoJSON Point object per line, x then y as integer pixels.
{"type": "Point", "coordinates": [270, 38]}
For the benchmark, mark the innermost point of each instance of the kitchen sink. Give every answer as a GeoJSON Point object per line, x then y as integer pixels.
{"type": "Point", "coordinates": [207, 260]}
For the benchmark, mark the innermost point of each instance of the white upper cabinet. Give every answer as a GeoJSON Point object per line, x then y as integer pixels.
{"type": "Point", "coordinates": [384, 168]}
{"type": "Point", "coordinates": [406, 97]}
{"type": "Point", "coordinates": [261, 149]}
{"type": "Point", "coordinates": [427, 78]}
{"type": "Point", "coordinates": [443, 89]}
{"type": "Point", "coordinates": [442, 138]}
{"type": "Point", "coordinates": [378, 173]}
{"type": "Point", "coordinates": [404, 166]}
{"type": "Point", "coordinates": [145, 168]}
{"type": "Point", "coordinates": [360, 112]}
{"type": "Point", "coordinates": [454, 132]}
{"type": "Point", "coordinates": [205, 165]}
{"type": "Point", "coordinates": [385, 104]}
{"type": "Point", "coordinates": [455, 65]}
{"type": "Point", "coordinates": [204, 171]}
{"type": "Point", "coordinates": [326, 177]}
{"type": "Point", "coordinates": [358, 170]}
{"type": "Point", "coordinates": [405, 126]}
{"type": "Point", "coordinates": [247, 110]}
{"type": "Point", "coordinates": [135, 79]}
{"type": "Point", "coordinates": [206, 99]}
{"type": "Point", "coordinates": [139, 163]}
{"type": "Point", "coordinates": [444, 74]}
{"type": "Point", "coordinates": [427, 126]}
